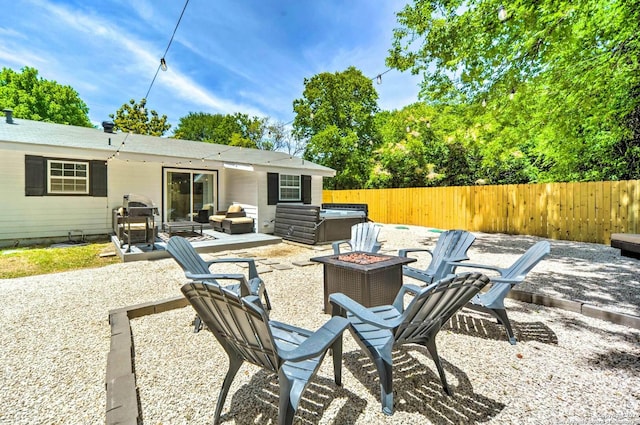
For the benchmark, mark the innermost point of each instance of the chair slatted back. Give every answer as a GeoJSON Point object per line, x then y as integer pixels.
{"type": "Point", "coordinates": [240, 326]}
{"type": "Point", "coordinates": [450, 244]}
{"type": "Point", "coordinates": [364, 236]}
{"type": "Point", "coordinates": [435, 304]}
{"type": "Point", "coordinates": [527, 261]}
{"type": "Point", "coordinates": [186, 256]}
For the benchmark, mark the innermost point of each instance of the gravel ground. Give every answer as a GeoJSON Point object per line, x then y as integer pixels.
{"type": "Point", "coordinates": [565, 369]}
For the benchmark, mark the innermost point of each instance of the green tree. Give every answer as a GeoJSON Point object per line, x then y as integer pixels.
{"type": "Point", "coordinates": [37, 99]}
{"type": "Point", "coordinates": [336, 118]}
{"type": "Point", "coordinates": [134, 117]}
{"type": "Point", "coordinates": [410, 154]}
{"type": "Point", "coordinates": [235, 130]}
{"type": "Point", "coordinates": [558, 79]}
{"type": "Point", "coordinates": [426, 145]}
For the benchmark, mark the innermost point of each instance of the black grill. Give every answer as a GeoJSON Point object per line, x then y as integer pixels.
{"type": "Point", "coordinates": [138, 206]}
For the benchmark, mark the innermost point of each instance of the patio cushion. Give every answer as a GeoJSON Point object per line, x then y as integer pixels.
{"type": "Point", "coordinates": [217, 217]}
{"type": "Point", "coordinates": [240, 220]}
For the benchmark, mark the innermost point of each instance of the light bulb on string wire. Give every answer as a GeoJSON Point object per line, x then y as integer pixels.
{"type": "Point", "coordinates": [502, 13]}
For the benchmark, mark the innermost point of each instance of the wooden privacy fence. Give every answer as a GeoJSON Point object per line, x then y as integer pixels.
{"type": "Point", "coordinates": [584, 212]}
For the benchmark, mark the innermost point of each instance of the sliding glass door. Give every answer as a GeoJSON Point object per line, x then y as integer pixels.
{"type": "Point", "coordinates": [189, 195]}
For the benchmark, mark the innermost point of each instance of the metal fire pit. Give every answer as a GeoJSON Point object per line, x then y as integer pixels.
{"type": "Point", "coordinates": [371, 284]}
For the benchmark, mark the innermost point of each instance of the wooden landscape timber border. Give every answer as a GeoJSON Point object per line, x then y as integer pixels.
{"type": "Point", "coordinates": [123, 401]}
{"type": "Point", "coordinates": [581, 212]}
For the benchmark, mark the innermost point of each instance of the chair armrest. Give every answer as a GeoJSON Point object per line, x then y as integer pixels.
{"type": "Point", "coordinates": [319, 341]}
{"type": "Point", "coordinates": [455, 265]}
{"type": "Point", "coordinates": [360, 311]}
{"type": "Point", "coordinates": [494, 297]}
{"type": "Point", "coordinates": [511, 281]}
{"type": "Point", "coordinates": [251, 287]}
{"type": "Point", "coordinates": [336, 246]}
{"type": "Point", "coordinates": [403, 252]}
{"type": "Point", "coordinates": [214, 276]}
{"type": "Point", "coordinates": [253, 271]}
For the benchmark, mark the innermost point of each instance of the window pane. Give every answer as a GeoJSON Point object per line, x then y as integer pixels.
{"type": "Point", "coordinates": [68, 177]}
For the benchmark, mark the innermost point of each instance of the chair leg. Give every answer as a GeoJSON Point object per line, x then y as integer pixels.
{"type": "Point", "coordinates": [384, 364]}
{"type": "Point", "coordinates": [267, 301]}
{"type": "Point", "coordinates": [234, 366]}
{"type": "Point", "coordinates": [501, 315]}
{"type": "Point", "coordinates": [197, 324]}
{"type": "Point", "coordinates": [431, 346]}
{"type": "Point", "coordinates": [336, 352]}
{"type": "Point", "coordinates": [290, 394]}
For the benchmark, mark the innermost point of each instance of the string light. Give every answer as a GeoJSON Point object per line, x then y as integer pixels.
{"type": "Point", "coordinates": [163, 62]}
{"type": "Point", "coordinates": [502, 13]}
{"type": "Point", "coordinates": [161, 66]}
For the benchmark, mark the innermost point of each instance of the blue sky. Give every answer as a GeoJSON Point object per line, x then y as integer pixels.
{"type": "Point", "coordinates": [227, 56]}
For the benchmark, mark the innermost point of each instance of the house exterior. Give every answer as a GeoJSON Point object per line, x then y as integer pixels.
{"type": "Point", "coordinates": [56, 179]}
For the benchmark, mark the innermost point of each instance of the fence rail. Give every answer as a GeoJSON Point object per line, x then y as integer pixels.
{"type": "Point", "coordinates": [584, 212]}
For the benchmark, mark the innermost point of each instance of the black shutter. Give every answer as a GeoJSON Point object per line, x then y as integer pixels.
{"type": "Point", "coordinates": [35, 170]}
{"type": "Point", "coordinates": [306, 189]}
{"type": "Point", "coordinates": [98, 179]}
{"type": "Point", "coordinates": [272, 188]}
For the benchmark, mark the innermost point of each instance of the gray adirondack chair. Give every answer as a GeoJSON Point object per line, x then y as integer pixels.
{"type": "Point", "coordinates": [452, 246]}
{"type": "Point", "coordinates": [243, 329]}
{"type": "Point", "coordinates": [364, 238]}
{"type": "Point", "coordinates": [195, 268]}
{"type": "Point", "coordinates": [492, 301]}
{"type": "Point", "coordinates": [379, 329]}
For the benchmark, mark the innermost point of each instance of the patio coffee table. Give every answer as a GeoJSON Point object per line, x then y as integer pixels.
{"type": "Point", "coordinates": [373, 284]}
{"type": "Point", "coordinates": [175, 226]}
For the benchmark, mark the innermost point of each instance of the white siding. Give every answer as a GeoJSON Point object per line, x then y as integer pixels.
{"type": "Point", "coordinates": [241, 188]}
{"type": "Point", "coordinates": [316, 190]}
{"type": "Point", "coordinates": [266, 213]}
{"type": "Point", "coordinates": [134, 177]}
{"type": "Point", "coordinates": [26, 217]}
{"type": "Point", "coordinates": [141, 178]}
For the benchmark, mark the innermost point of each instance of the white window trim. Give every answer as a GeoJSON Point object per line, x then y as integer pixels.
{"type": "Point", "coordinates": [75, 178]}
{"type": "Point", "coordinates": [281, 186]}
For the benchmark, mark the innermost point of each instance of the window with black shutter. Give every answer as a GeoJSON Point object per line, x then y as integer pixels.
{"type": "Point", "coordinates": [55, 176]}
{"type": "Point", "coordinates": [282, 188]}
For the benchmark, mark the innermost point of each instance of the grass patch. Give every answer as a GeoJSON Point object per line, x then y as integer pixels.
{"type": "Point", "coordinates": [35, 261]}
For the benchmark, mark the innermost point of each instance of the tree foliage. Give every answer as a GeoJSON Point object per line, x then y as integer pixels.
{"type": "Point", "coordinates": [34, 98]}
{"type": "Point", "coordinates": [336, 118]}
{"type": "Point", "coordinates": [559, 81]}
{"type": "Point", "coordinates": [235, 130]}
{"type": "Point", "coordinates": [134, 117]}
